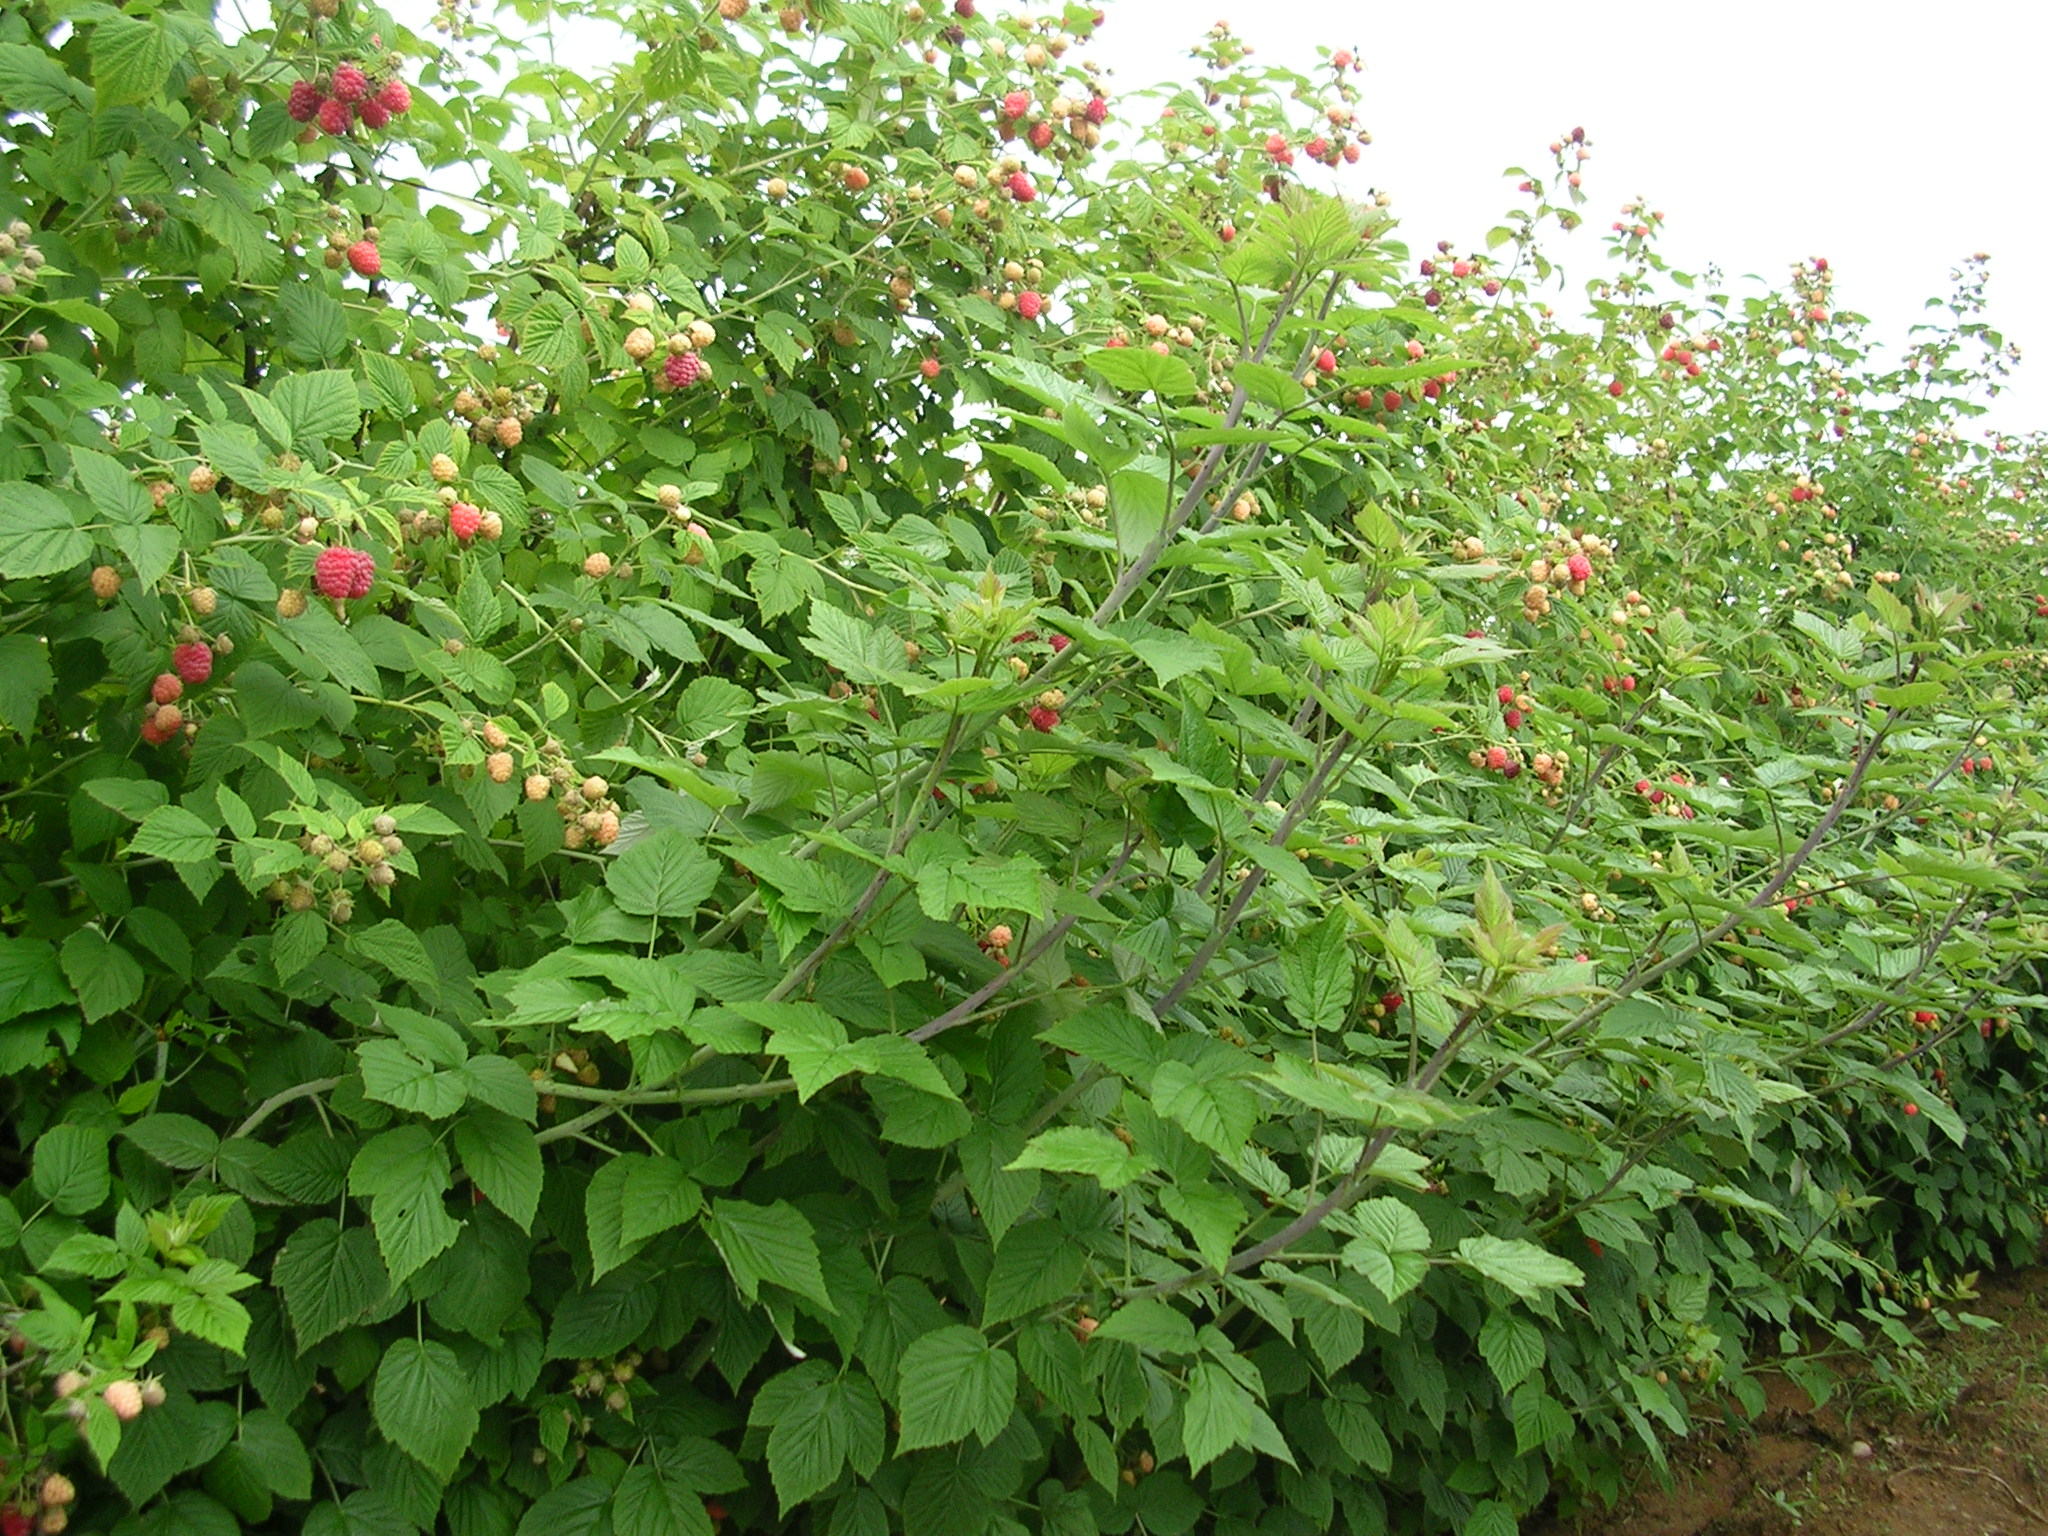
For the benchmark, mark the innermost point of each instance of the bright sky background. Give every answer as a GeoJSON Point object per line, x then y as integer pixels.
{"type": "Point", "coordinates": [1895, 141]}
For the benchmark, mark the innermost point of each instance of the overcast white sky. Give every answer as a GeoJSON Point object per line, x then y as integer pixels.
{"type": "Point", "coordinates": [1895, 141]}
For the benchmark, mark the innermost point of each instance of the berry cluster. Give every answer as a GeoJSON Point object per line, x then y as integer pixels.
{"type": "Point", "coordinates": [682, 363]}
{"type": "Point", "coordinates": [495, 414]}
{"type": "Point", "coordinates": [335, 103]}
{"type": "Point", "coordinates": [20, 261]}
{"type": "Point", "coordinates": [1666, 805]}
{"type": "Point", "coordinates": [996, 943]}
{"type": "Point", "coordinates": [334, 856]}
{"type": "Point", "coordinates": [693, 539]}
{"type": "Point", "coordinates": [587, 806]}
{"type": "Point", "coordinates": [164, 717]}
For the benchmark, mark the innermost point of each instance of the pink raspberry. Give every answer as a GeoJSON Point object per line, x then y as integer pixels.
{"type": "Point", "coordinates": [1097, 111]}
{"type": "Point", "coordinates": [1497, 759]}
{"type": "Point", "coordinates": [395, 98]}
{"type": "Point", "coordinates": [1021, 188]}
{"type": "Point", "coordinates": [1506, 694]}
{"type": "Point", "coordinates": [335, 116]}
{"type": "Point", "coordinates": [1512, 719]}
{"type": "Point", "coordinates": [303, 102]}
{"type": "Point", "coordinates": [373, 115]}
{"type": "Point", "coordinates": [1315, 149]}
{"type": "Point", "coordinates": [1016, 104]}
{"type": "Point", "coordinates": [1030, 304]}
{"type": "Point", "coordinates": [364, 258]}
{"type": "Point", "coordinates": [1040, 135]}
{"type": "Point", "coordinates": [682, 369]}
{"type": "Point", "coordinates": [1579, 568]}
{"type": "Point", "coordinates": [1060, 643]}
{"type": "Point", "coordinates": [167, 689]}
{"type": "Point", "coordinates": [340, 572]}
{"type": "Point", "coordinates": [194, 663]}
{"type": "Point", "coordinates": [1043, 719]}
{"type": "Point", "coordinates": [464, 520]}
{"type": "Point", "coordinates": [351, 85]}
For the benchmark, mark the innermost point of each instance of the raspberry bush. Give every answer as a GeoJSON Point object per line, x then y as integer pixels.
{"type": "Point", "coordinates": [834, 786]}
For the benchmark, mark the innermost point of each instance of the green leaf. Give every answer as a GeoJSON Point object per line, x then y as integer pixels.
{"type": "Point", "coordinates": [174, 833]}
{"type": "Point", "coordinates": [422, 1403]}
{"type": "Point", "coordinates": [1142, 371]}
{"type": "Point", "coordinates": [1512, 1346]}
{"type": "Point", "coordinates": [318, 405]}
{"type": "Point", "coordinates": [665, 874]}
{"type": "Point", "coordinates": [130, 60]}
{"type": "Point", "coordinates": [393, 1075]}
{"type": "Point", "coordinates": [502, 1159]}
{"type": "Point", "coordinates": [1085, 1149]}
{"type": "Point", "coordinates": [1013, 884]}
{"type": "Point", "coordinates": [1213, 1108]}
{"type": "Point", "coordinates": [71, 1169]}
{"type": "Point", "coordinates": [772, 1243]}
{"type": "Point", "coordinates": [105, 976]}
{"type": "Point", "coordinates": [1523, 1268]}
{"type": "Point", "coordinates": [276, 1453]}
{"type": "Point", "coordinates": [1217, 1416]}
{"type": "Point", "coordinates": [833, 1424]}
{"type": "Point", "coordinates": [1316, 970]}
{"type": "Point", "coordinates": [38, 536]}
{"type": "Point", "coordinates": [176, 1141]}
{"type": "Point", "coordinates": [863, 653]}
{"type": "Point", "coordinates": [328, 1278]}
{"type": "Point", "coordinates": [1390, 1248]}
{"type": "Point", "coordinates": [646, 1503]}
{"type": "Point", "coordinates": [1037, 1264]}
{"type": "Point", "coordinates": [604, 1318]}
{"type": "Point", "coordinates": [25, 680]}
{"type": "Point", "coordinates": [953, 1383]}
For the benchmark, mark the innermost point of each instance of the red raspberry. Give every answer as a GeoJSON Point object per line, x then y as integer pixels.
{"type": "Point", "coordinates": [1315, 149]}
{"type": "Point", "coordinates": [154, 736]}
{"type": "Point", "coordinates": [1391, 400]}
{"type": "Point", "coordinates": [930, 367]}
{"type": "Point", "coordinates": [351, 85]}
{"type": "Point", "coordinates": [168, 688]}
{"type": "Point", "coordinates": [335, 116]}
{"type": "Point", "coordinates": [373, 115]}
{"type": "Point", "coordinates": [964, 9]}
{"type": "Point", "coordinates": [682, 369]}
{"type": "Point", "coordinates": [1506, 693]}
{"type": "Point", "coordinates": [1642, 786]}
{"type": "Point", "coordinates": [1016, 103]}
{"type": "Point", "coordinates": [303, 102]}
{"type": "Point", "coordinates": [1497, 759]}
{"type": "Point", "coordinates": [1021, 188]}
{"type": "Point", "coordinates": [395, 98]}
{"type": "Point", "coordinates": [1432, 298]}
{"type": "Point", "coordinates": [340, 572]}
{"type": "Point", "coordinates": [1030, 304]}
{"type": "Point", "coordinates": [1040, 136]}
{"type": "Point", "coordinates": [1579, 568]}
{"type": "Point", "coordinates": [14, 1523]}
{"type": "Point", "coordinates": [364, 258]}
{"type": "Point", "coordinates": [1043, 719]}
{"type": "Point", "coordinates": [1617, 388]}
{"type": "Point", "coordinates": [1326, 361]}
{"type": "Point", "coordinates": [194, 662]}
{"type": "Point", "coordinates": [1924, 1016]}
{"type": "Point", "coordinates": [1060, 643]}
{"type": "Point", "coordinates": [464, 520]}
{"type": "Point", "coordinates": [1097, 111]}
{"type": "Point", "coordinates": [1912, 1109]}
{"type": "Point", "coordinates": [1512, 719]}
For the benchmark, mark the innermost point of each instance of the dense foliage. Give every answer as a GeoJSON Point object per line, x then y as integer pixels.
{"type": "Point", "coordinates": [829, 787]}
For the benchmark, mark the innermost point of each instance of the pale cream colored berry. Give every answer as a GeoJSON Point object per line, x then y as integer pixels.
{"type": "Point", "coordinates": [443, 468]}
{"type": "Point", "coordinates": [597, 565]}
{"type": "Point", "coordinates": [499, 766]}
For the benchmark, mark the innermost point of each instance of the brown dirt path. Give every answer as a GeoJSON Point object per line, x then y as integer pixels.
{"type": "Point", "coordinates": [1958, 1448]}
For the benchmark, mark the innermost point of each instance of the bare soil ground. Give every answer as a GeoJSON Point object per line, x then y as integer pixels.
{"type": "Point", "coordinates": [1956, 1447]}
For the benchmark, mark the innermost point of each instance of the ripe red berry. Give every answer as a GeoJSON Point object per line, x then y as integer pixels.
{"type": "Point", "coordinates": [1030, 304]}
{"type": "Point", "coordinates": [1924, 1016]}
{"type": "Point", "coordinates": [351, 85]}
{"type": "Point", "coordinates": [1497, 758]}
{"type": "Point", "coordinates": [1044, 719]}
{"type": "Point", "coordinates": [1427, 269]}
{"type": "Point", "coordinates": [1315, 149]}
{"type": "Point", "coordinates": [1912, 1109]}
{"type": "Point", "coordinates": [303, 102]}
{"type": "Point", "coordinates": [340, 572]}
{"type": "Point", "coordinates": [1059, 643]}
{"type": "Point", "coordinates": [1391, 400]}
{"type": "Point", "coordinates": [464, 520]}
{"type": "Point", "coordinates": [1016, 103]}
{"type": "Point", "coordinates": [1642, 786]}
{"type": "Point", "coordinates": [1506, 693]}
{"type": "Point", "coordinates": [1617, 388]}
{"type": "Point", "coordinates": [1040, 135]}
{"type": "Point", "coordinates": [964, 9]}
{"type": "Point", "coordinates": [929, 367]}
{"type": "Point", "coordinates": [395, 98]}
{"type": "Point", "coordinates": [1097, 111]}
{"type": "Point", "coordinates": [1228, 232]}
{"type": "Point", "coordinates": [168, 688]}
{"type": "Point", "coordinates": [1628, 684]}
{"type": "Point", "coordinates": [682, 369]}
{"type": "Point", "coordinates": [1021, 188]}
{"type": "Point", "coordinates": [1392, 1001]}
{"type": "Point", "coordinates": [364, 258]}
{"type": "Point", "coordinates": [1326, 361]}
{"type": "Point", "coordinates": [1432, 298]}
{"type": "Point", "coordinates": [1579, 568]}
{"type": "Point", "coordinates": [1983, 765]}
{"type": "Point", "coordinates": [1512, 719]}
{"type": "Point", "coordinates": [335, 116]}
{"type": "Point", "coordinates": [373, 115]}
{"type": "Point", "coordinates": [194, 663]}
{"type": "Point", "coordinates": [14, 1523]}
